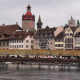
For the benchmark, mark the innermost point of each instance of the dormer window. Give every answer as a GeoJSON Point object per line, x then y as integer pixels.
{"type": "Point", "coordinates": [50, 34]}
{"type": "Point", "coordinates": [20, 36]}
{"type": "Point", "coordinates": [13, 36]}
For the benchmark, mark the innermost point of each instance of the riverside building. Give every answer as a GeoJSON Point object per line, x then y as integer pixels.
{"type": "Point", "coordinates": [56, 38]}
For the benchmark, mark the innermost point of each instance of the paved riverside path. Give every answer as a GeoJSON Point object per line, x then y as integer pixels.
{"type": "Point", "coordinates": [38, 60]}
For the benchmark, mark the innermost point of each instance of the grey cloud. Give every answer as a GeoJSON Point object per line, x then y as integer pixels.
{"type": "Point", "coordinates": [53, 12]}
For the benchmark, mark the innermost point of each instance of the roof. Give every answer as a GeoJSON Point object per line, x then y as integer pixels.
{"type": "Point", "coordinates": [9, 28]}
{"type": "Point", "coordinates": [44, 31]}
{"type": "Point", "coordinates": [73, 29]}
{"type": "Point", "coordinates": [39, 21]}
{"type": "Point", "coordinates": [77, 34]}
{"type": "Point", "coordinates": [60, 35]}
{"type": "Point", "coordinates": [28, 15]}
{"type": "Point", "coordinates": [28, 6]}
{"type": "Point", "coordinates": [20, 35]}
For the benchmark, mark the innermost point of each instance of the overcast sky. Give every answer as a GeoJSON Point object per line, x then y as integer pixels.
{"type": "Point", "coordinates": [53, 12]}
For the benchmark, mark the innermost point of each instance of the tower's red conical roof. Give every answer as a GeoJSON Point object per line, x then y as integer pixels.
{"type": "Point", "coordinates": [28, 15]}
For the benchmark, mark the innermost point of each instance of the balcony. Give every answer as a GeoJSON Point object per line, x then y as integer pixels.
{"type": "Point", "coordinates": [68, 48]}
{"type": "Point", "coordinates": [68, 41]}
{"type": "Point", "coordinates": [42, 44]}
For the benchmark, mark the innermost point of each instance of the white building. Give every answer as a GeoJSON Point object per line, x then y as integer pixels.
{"type": "Point", "coordinates": [21, 40]}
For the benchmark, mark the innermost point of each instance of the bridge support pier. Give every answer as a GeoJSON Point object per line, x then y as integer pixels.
{"type": "Point", "coordinates": [68, 67]}
{"type": "Point", "coordinates": [49, 66]}
{"type": "Point", "coordinates": [39, 65]}
{"type": "Point", "coordinates": [18, 65]}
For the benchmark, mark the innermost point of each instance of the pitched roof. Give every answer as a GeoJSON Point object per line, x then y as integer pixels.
{"type": "Point", "coordinates": [20, 35]}
{"type": "Point", "coordinates": [39, 21]}
{"type": "Point", "coordinates": [77, 34]}
{"type": "Point", "coordinates": [28, 15]}
{"type": "Point", "coordinates": [44, 31]}
{"type": "Point", "coordinates": [9, 28]}
{"type": "Point", "coordinates": [73, 29]}
{"type": "Point", "coordinates": [60, 35]}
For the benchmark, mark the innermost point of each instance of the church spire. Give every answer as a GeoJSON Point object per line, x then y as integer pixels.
{"type": "Point", "coordinates": [72, 22]}
{"type": "Point", "coordinates": [39, 23]}
{"type": "Point", "coordinates": [78, 23]}
{"type": "Point", "coordinates": [71, 17]}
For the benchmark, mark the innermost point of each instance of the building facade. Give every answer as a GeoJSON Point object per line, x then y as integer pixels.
{"type": "Point", "coordinates": [59, 41]}
{"type": "Point", "coordinates": [44, 38]}
{"type": "Point", "coordinates": [57, 38]}
{"type": "Point", "coordinates": [21, 40]}
{"type": "Point", "coordinates": [5, 32]}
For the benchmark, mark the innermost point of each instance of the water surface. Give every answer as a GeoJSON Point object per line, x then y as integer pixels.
{"type": "Point", "coordinates": [34, 72]}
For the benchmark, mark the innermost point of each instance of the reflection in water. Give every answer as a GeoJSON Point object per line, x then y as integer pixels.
{"type": "Point", "coordinates": [38, 72]}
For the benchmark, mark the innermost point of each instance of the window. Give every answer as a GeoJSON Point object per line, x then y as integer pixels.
{"type": "Point", "coordinates": [3, 43]}
{"type": "Point", "coordinates": [19, 46]}
{"type": "Point", "coordinates": [15, 46]}
{"type": "Point", "coordinates": [71, 34]}
{"type": "Point", "coordinates": [61, 40]}
{"type": "Point", "coordinates": [50, 34]}
{"type": "Point", "coordinates": [7, 44]}
{"type": "Point", "coordinates": [22, 41]}
{"type": "Point", "coordinates": [36, 43]}
{"type": "Point", "coordinates": [58, 45]}
{"type": "Point", "coordinates": [32, 41]}
{"type": "Point", "coordinates": [0, 44]}
{"type": "Point", "coordinates": [69, 40]}
{"type": "Point", "coordinates": [56, 40]}
{"type": "Point", "coordinates": [10, 46]}
{"type": "Point", "coordinates": [69, 46]}
{"type": "Point", "coordinates": [15, 41]}
{"type": "Point", "coordinates": [51, 43]}
{"type": "Point", "coordinates": [55, 45]}
{"type": "Point", "coordinates": [32, 46]}
{"type": "Point", "coordinates": [27, 41]}
{"type": "Point", "coordinates": [27, 46]}
{"type": "Point", "coordinates": [31, 36]}
{"type": "Point", "coordinates": [22, 46]}
{"type": "Point", "coordinates": [47, 43]}
{"type": "Point", "coordinates": [12, 41]}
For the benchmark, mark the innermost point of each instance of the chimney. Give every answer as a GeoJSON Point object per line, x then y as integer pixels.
{"type": "Point", "coordinates": [3, 24]}
{"type": "Point", "coordinates": [16, 23]}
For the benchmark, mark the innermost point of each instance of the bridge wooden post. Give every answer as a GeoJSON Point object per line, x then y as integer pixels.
{"type": "Point", "coordinates": [53, 66]}
{"type": "Point", "coordinates": [69, 66]}
{"type": "Point", "coordinates": [31, 65]}
{"type": "Point", "coordinates": [39, 65]}
{"type": "Point", "coordinates": [18, 65]}
{"type": "Point", "coordinates": [49, 66]}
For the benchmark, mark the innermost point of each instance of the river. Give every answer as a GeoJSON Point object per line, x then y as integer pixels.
{"type": "Point", "coordinates": [34, 72]}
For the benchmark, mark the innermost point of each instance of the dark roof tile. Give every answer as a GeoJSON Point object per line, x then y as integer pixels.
{"type": "Point", "coordinates": [9, 28]}
{"type": "Point", "coordinates": [60, 35]}
{"type": "Point", "coordinates": [73, 29]}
